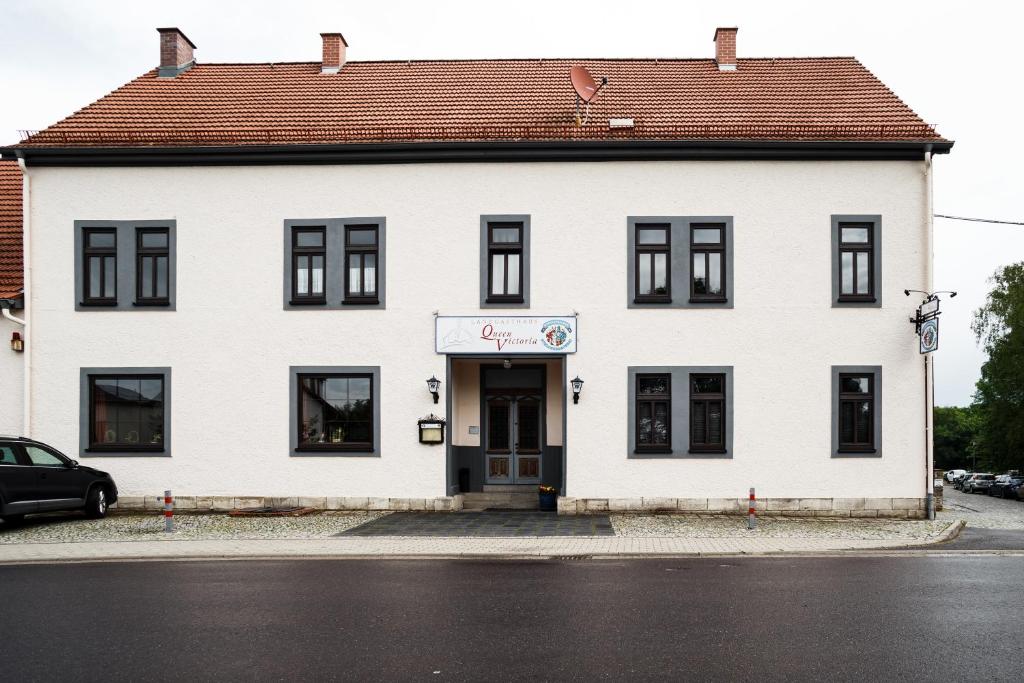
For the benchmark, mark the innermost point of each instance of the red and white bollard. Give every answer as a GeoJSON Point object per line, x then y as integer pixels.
{"type": "Point", "coordinates": [752, 511]}
{"type": "Point", "coordinates": [168, 512]}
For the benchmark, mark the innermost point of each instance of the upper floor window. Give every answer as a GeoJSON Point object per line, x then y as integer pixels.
{"type": "Point", "coordinates": [505, 263]}
{"type": "Point", "coordinates": [361, 268]}
{"type": "Point", "coordinates": [707, 251]}
{"type": "Point", "coordinates": [653, 413]}
{"type": "Point", "coordinates": [707, 412]}
{"type": "Point", "coordinates": [856, 412]}
{"type": "Point", "coordinates": [653, 263]}
{"type": "Point", "coordinates": [309, 257]}
{"type": "Point", "coordinates": [152, 271]}
{"type": "Point", "coordinates": [856, 247]}
{"type": "Point", "coordinates": [99, 260]}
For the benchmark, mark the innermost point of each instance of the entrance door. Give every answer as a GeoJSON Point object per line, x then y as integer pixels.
{"type": "Point", "coordinates": [514, 437]}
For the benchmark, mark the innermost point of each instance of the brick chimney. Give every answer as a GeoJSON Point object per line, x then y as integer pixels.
{"type": "Point", "coordinates": [334, 53]}
{"type": "Point", "coordinates": [175, 52]}
{"type": "Point", "coordinates": [725, 48]}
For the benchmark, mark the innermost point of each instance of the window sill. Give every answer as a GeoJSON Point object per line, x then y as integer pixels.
{"type": "Point", "coordinates": [360, 302]}
{"type": "Point", "coordinates": [856, 451]}
{"type": "Point", "coordinates": [491, 300]}
{"type": "Point", "coordinates": [152, 304]}
{"type": "Point", "coordinates": [707, 451]}
{"type": "Point", "coordinates": [307, 302]}
{"type": "Point", "coordinates": [336, 452]}
{"type": "Point", "coordinates": [856, 300]}
{"type": "Point", "coordinates": [98, 304]}
{"type": "Point", "coordinates": [708, 300]}
{"type": "Point", "coordinates": [653, 300]}
{"type": "Point", "coordinates": [652, 451]}
{"type": "Point", "coordinates": [125, 453]}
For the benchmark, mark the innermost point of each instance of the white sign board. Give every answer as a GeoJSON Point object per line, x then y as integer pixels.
{"type": "Point", "coordinates": [504, 334]}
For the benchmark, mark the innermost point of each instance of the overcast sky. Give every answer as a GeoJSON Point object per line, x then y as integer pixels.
{"type": "Point", "coordinates": [955, 63]}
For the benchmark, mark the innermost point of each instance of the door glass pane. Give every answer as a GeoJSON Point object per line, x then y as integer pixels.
{"type": "Point", "coordinates": [504, 235]}
{"type": "Point", "coordinates": [660, 429]}
{"type": "Point", "coordinates": [497, 273]}
{"type": "Point", "coordinates": [365, 236]}
{"type": "Point", "coordinates": [645, 274]}
{"type": "Point", "coordinates": [714, 273]}
{"type": "Point", "coordinates": [498, 431]}
{"type": "Point", "coordinates": [355, 276]}
{"type": "Point", "coordinates": [513, 274]}
{"type": "Point", "coordinates": [302, 275]}
{"type": "Point", "coordinates": [847, 270]}
{"type": "Point", "coordinates": [95, 272]}
{"type": "Point", "coordinates": [652, 236]}
{"type": "Point", "coordinates": [369, 274]}
{"type": "Point", "coordinates": [7, 456]}
{"type": "Point", "coordinates": [644, 423]}
{"type": "Point", "coordinates": [161, 276]}
{"type": "Point", "coordinates": [317, 273]}
{"type": "Point", "coordinates": [147, 277]}
{"type": "Point", "coordinates": [862, 273]}
{"type": "Point", "coordinates": [529, 425]}
{"type": "Point", "coordinates": [855, 235]}
{"type": "Point", "coordinates": [661, 273]}
{"type": "Point", "coordinates": [109, 272]}
{"type": "Point", "coordinates": [700, 285]}
{"type": "Point", "coordinates": [707, 235]}
{"type": "Point", "coordinates": [41, 458]}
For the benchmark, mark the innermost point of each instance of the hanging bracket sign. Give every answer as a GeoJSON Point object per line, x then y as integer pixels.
{"type": "Point", "coordinates": [926, 324]}
{"type": "Point", "coordinates": [504, 335]}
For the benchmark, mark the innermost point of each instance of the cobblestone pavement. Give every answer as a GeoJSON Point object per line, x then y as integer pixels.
{"type": "Point", "coordinates": [501, 524]}
{"type": "Point", "coordinates": [981, 511]}
{"type": "Point", "coordinates": [722, 526]}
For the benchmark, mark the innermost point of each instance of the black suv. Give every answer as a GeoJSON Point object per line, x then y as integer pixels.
{"type": "Point", "coordinates": [37, 478]}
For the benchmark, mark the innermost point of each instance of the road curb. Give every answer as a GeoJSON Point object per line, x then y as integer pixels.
{"type": "Point", "coordinates": [951, 532]}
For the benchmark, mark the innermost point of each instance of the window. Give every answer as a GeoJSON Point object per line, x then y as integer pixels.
{"type": "Point", "coordinates": [152, 257]}
{"type": "Point", "coordinates": [41, 457]}
{"type": "Point", "coordinates": [679, 262]}
{"type": "Point", "coordinates": [100, 267]}
{"type": "Point", "coordinates": [653, 413]}
{"type": "Point", "coordinates": [335, 412]}
{"type": "Point", "coordinates": [334, 263]}
{"type": "Point", "coordinates": [707, 412]}
{"type": "Point", "coordinates": [505, 263]}
{"type": "Point", "coordinates": [130, 283]}
{"type": "Point", "coordinates": [361, 264]}
{"type": "Point", "coordinates": [653, 263]}
{"type": "Point", "coordinates": [856, 409]}
{"type": "Point", "coordinates": [309, 258]}
{"type": "Point", "coordinates": [7, 456]}
{"type": "Point", "coordinates": [707, 253]}
{"type": "Point", "coordinates": [856, 261]}
{"type": "Point", "coordinates": [126, 412]}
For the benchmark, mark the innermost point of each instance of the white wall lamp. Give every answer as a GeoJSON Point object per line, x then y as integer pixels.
{"type": "Point", "coordinates": [577, 387]}
{"type": "Point", "coordinates": [433, 386]}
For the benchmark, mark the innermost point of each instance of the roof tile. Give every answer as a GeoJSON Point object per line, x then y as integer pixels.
{"type": "Point", "coordinates": [11, 282]}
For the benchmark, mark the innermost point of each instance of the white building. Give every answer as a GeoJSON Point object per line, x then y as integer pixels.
{"type": "Point", "coordinates": [242, 274]}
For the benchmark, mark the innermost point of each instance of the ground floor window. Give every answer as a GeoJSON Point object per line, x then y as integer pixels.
{"type": "Point", "coordinates": [335, 410]}
{"type": "Point", "coordinates": [125, 410]}
{"type": "Point", "coordinates": [856, 419]}
{"type": "Point", "coordinates": [707, 412]}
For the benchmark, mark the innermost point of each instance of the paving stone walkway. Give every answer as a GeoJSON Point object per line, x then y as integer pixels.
{"type": "Point", "coordinates": [487, 524]}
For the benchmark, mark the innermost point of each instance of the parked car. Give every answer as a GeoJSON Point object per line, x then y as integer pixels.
{"type": "Point", "coordinates": [958, 482]}
{"type": "Point", "coordinates": [1006, 485]}
{"type": "Point", "coordinates": [35, 477]}
{"type": "Point", "coordinates": [951, 475]}
{"type": "Point", "coordinates": [979, 481]}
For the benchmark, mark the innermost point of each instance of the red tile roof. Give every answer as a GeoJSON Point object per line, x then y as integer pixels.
{"type": "Point", "coordinates": [831, 98]}
{"type": "Point", "coordinates": [10, 230]}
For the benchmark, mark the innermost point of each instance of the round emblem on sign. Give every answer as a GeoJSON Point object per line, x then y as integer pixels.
{"type": "Point", "coordinates": [556, 334]}
{"type": "Point", "coordinates": [929, 336]}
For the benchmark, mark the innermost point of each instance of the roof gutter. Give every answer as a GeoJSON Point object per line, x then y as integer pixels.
{"type": "Point", "coordinates": [474, 152]}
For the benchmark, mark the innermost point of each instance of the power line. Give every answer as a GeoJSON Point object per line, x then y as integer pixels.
{"type": "Point", "coordinates": [977, 220]}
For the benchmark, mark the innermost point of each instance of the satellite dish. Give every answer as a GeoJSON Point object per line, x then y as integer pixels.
{"type": "Point", "coordinates": [586, 90]}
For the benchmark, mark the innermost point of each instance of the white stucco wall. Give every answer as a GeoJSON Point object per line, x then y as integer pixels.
{"type": "Point", "coordinates": [11, 378]}
{"type": "Point", "coordinates": [230, 343]}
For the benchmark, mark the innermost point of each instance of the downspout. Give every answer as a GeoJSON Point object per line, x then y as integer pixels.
{"type": "Point", "coordinates": [929, 363]}
{"type": "Point", "coordinates": [26, 241]}
{"type": "Point", "coordinates": [5, 310]}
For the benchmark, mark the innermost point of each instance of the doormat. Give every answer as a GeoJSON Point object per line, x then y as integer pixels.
{"type": "Point", "coordinates": [485, 524]}
{"type": "Point", "coordinates": [271, 512]}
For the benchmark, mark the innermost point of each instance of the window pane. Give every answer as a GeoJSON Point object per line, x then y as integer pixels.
{"type": "Point", "coordinates": [504, 235]}
{"type": "Point", "coordinates": [513, 274]}
{"type": "Point", "coordinates": [161, 277]}
{"type": "Point", "coordinates": [715, 423]}
{"type": "Point", "coordinates": [40, 458]}
{"type": "Point", "coordinates": [365, 236]}
{"type": "Point", "coordinates": [862, 273]}
{"type": "Point", "coordinates": [707, 235]}
{"type": "Point", "coordinates": [661, 273]}
{"type": "Point", "coordinates": [863, 421]}
{"type": "Point", "coordinates": [660, 430]}
{"type": "Point", "coordinates": [855, 235]}
{"type": "Point", "coordinates": [147, 277]}
{"type": "Point", "coordinates": [652, 236]}
{"type": "Point", "coordinates": [336, 410]}
{"type": "Point", "coordinates": [498, 426]}
{"type": "Point", "coordinates": [700, 285]}
{"type": "Point", "coordinates": [317, 273]}
{"type": "Point", "coordinates": [109, 273]}
{"type": "Point", "coordinates": [652, 385]}
{"type": "Point", "coordinates": [355, 275]}
{"type": "Point", "coordinates": [707, 385]}
{"type": "Point", "coordinates": [644, 424]}
{"type": "Point", "coordinates": [856, 385]}
{"type": "Point", "coordinates": [699, 421]}
{"type": "Point", "coordinates": [309, 238]}
{"type": "Point", "coordinates": [154, 240]}
{"type": "Point", "coordinates": [497, 273]}
{"type": "Point", "coordinates": [127, 411]}
{"type": "Point", "coordinates": [847, 277]}
{"type": "Point", "coordinates": [95, 271]}
{"type": "Point", "coordinates": [714, 273]}
{"type": "Point", "coordinates": [302, 275]}
{"type": "Point", "coordinates": [645, 274]}
{"type": "Point", "coordinates": [847, 410]}
{"type": "Point", "coordinates": [101, 240]}
{"type": "Point", "coordinates": [370, 274]}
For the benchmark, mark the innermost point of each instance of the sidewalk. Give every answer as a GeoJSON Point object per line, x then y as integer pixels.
{"type": "Point", "coordinates": [775, 537]}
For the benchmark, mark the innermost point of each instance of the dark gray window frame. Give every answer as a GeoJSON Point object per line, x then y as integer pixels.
{"type": "Point", "coordinates": [485, 220]}
{"type": "Point", "coordinates": [876, 372]}
{"type": "Point", "coordinates": [681, 262]}
{"type": "Point", "coordinates": [334, 268]}
{"type": "Point", "coordinates": [680, 411]}
{"type": "Point", "coordinates": [293, 409]}
{"type": "Point", "coordinates": [125, 280]}
{"type": "Point", "coordinates": [876, 259]}
{"type": "Point", "coordinates": [84, 412]}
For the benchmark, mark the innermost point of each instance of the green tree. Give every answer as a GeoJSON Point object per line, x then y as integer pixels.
{"type": "Point", "coordinates": [999, 398]}
{"type": "Point", "coordinates": [956, 430]}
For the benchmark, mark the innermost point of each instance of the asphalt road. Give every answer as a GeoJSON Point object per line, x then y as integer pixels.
{"type": "Point", "coordinates": [835, 618]}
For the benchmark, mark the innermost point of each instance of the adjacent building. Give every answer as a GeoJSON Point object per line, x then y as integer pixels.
{"type": "Point", "coordinates": [12, 300]}
{"type": "Point", "coordinates": [242, 275]}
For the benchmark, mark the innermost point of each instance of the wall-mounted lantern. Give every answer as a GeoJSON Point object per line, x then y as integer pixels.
{"type": "Point", "coordinates": [431, 429]}
{"type": "Point", "coordinates": [433, 385]}
{"type": "Point", "coordinates": [577, 387]}
{"type": "Point", "coordinates": [17, 343]}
